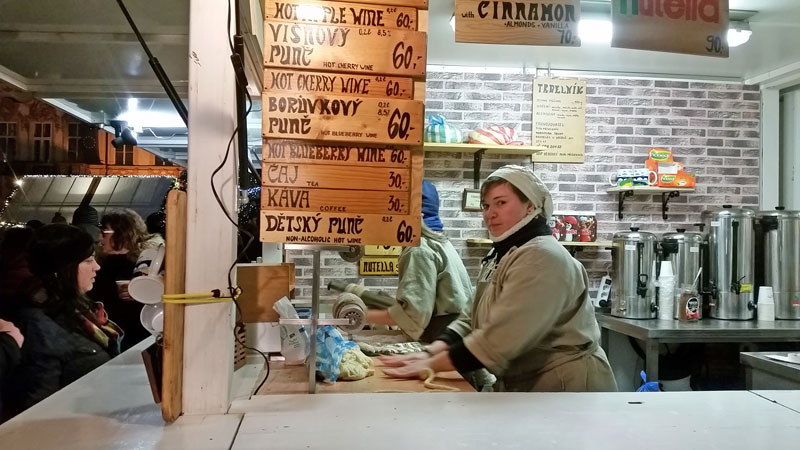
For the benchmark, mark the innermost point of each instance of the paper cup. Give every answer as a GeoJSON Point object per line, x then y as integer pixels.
{"type": "Point", "coordinates": [152, 318]}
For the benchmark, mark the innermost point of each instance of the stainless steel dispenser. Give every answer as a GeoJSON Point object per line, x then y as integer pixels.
{"type": "Point", "coordinates": [731, 257]}
{"type": "Point", "coordinates": [782, 260]}
{"type": "Point", "coordinates": [684, 250]}
{"type": "Point", "coordinates": [633, 293]}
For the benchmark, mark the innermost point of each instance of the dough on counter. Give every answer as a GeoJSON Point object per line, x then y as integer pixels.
{"type": "Point", "coordinates": [355, 365]}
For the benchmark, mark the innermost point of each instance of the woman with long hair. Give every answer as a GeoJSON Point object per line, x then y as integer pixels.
{"type": "Point", "coordinates": [123, 236]}
{"type": "Point", "coordinates": [66, 334]}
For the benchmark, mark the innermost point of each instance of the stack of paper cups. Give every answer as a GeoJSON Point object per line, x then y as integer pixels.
{"type": "Point", "coordinates": [766, 304]}
{"type": "Point", "coordinates": [666, 292]}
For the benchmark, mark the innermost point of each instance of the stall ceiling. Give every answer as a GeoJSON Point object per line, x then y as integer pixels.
{"type": "Point", "coordinates": [81, 55]}
{"type": "Point", "coordinates": [41, 197]}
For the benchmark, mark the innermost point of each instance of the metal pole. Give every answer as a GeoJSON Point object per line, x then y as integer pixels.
{"type": "Point", "coordinates": [312, 357]}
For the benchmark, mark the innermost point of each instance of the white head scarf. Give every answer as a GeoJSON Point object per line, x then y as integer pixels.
{"type": "Point", "coordinates": [532, 187]}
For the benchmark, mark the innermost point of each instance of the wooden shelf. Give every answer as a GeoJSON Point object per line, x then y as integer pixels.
{"type": "Point", "coordinates": [525, 150]}
{"type": "Point", "coordinates": [648, 189]}
{"type": "Point", "coordinates": [587, 244]}
{"type": "Point", "coordinates": [666, 194]}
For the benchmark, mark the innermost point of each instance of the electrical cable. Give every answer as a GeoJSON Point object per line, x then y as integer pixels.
{"type": "Point", "coordinates": [250, 238]}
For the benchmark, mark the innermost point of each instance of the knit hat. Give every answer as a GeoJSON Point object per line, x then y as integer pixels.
{"type": "Point", "coordinates": [58, 245]}
{"type": "Point", "coordinates": [86, 218]}
{"type": "Point", "coordinates": [530, 185]}
{"type": "Point", "coordinates": [430, 206]}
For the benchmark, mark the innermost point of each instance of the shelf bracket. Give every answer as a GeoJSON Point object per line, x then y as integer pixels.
{"type": "Point", "coordinates": [621, 196]}
{"type": "Point", "coordinates": [476, 168]}
{"type": "Point", "coordinates": [665, 198]}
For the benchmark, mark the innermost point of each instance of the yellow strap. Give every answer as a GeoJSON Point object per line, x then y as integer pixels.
{"type": "Point", "coordinates": [197, 300]}
{"type": "Point", "coordinates": [196, 295]}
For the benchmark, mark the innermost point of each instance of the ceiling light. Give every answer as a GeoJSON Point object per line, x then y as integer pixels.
{"type": "Point", "coordinates": [453, 22]}
{"type": "Point", "coordinates": [595, 31]}
{"type": "Point", "coordinates": [738, 33]}
{"type": "Point", "coordinates": [18, 182]}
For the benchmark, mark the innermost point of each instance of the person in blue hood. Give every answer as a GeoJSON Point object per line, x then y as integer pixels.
{"type": "Point", "coordinates": [433, 286]}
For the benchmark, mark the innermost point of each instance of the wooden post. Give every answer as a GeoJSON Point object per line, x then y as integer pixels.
{"type": "Point", "coordinates": [211, 240]}
{"type": "Point", "coordinates": [174, 283]}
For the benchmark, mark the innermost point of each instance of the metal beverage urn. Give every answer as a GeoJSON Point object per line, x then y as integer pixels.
{"type": "Point", "coordinates": [731, 257]}
{"type": "Point", "coordinates": [633, 292]}
{"type": "Point", "coordinates": [781, 242]}
{"type": "Point", "coordinates": [684, 250]}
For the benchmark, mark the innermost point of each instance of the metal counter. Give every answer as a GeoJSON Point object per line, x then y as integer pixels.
{"type": "Point", "coordinates": [762, 372]}
{"type": "Point", "coordinates": [654, 332]}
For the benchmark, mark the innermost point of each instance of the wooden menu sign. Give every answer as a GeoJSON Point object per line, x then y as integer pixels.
{"type": "Point", "coordinates": [333, 177]}
{"type": "Point", "coordinates": [559, 119]}
{"type": "Point", "coordinates": [378, 266]}
{"type": "Point", "coordinates": [277, 80]}
{"type": "Point", "coordinates": [330, 200]}
{"type": "Point", "coordinates": [553, 22]}
{"type": "Point", "coordinates": [335, 118]}
{"type": "Point", "coordinates": [352, 14]}
{"type": "Point", "coordinates": [419, 4]}
{"type": "Point", "coordinates": [301, 152]}
{"type": "Point", "coordinates": [342, 115]}
{"type": "Point", "coordinates": [697, 27]}
{"type": "Point", "coordinates": [344, 48]}
{"type": "Point", "coordinates": [350, 214]}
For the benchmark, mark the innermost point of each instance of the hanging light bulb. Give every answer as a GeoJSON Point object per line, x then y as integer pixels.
{"type": "Point", "coordinates": [738, 33]}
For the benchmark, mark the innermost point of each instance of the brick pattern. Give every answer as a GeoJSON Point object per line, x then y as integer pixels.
{"type": "Point", "coordinates": [712, 128]}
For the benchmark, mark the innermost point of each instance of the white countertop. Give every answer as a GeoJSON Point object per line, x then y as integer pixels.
{"type": "Point", "coordinates": [735, 420]}
{"type": "Point", "coordinates": [112, 408]}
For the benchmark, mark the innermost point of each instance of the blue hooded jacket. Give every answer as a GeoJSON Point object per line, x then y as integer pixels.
{"type": "Point", "coordinates": [430, 206]}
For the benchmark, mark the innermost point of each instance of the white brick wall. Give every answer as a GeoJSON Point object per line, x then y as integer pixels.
{"type": "Point", "coordinates": [712, 128]}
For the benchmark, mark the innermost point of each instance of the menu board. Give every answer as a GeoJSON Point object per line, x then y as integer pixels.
{"type": "Point", "coordinates": [559, 119]}
{"type": "Point", "coordinates": [342, 13]}
{"type": "Point", "coordinates": [696, 27]}
{"type": "Point", "coordinates": [276, 80]}
{"type": "Point", "coordinates": [335, 118]}
{"type": "Point", "coordinates": [344, 49]}
{"type": "Point", "coordinates": [342, 119]}
{"type": "Point", "coordinates": [518, 22]}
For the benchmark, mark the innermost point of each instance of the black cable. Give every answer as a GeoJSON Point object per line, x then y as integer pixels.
{"type": "Point", "coordinates": [247, 234]}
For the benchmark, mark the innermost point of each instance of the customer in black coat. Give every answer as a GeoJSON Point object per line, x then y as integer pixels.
{"type": "Point", "coordinates": [10, 342]}
{"type": "Point", "coordinates": [66, 334]}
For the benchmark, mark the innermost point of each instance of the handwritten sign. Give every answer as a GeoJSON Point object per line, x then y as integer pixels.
{"type": "Point", "coordinates": [276, 80]}
{"type": "Point", "coordinates": [382, 250]}
{"type": "Point", "coordinates": [333, 177]}
{"type": "Point", "coordinates": [326, 228]}
{"type": "Point", "coordinates": [353, 14]}
{"type": "Point", "coordinates": [330, 200]}
{"type": "Point", "coordinates": [377, 266]}
{"type": "Point", "coordinates": [697, 27]}
{"type": "Point", "coordinates": [559, 119]}
{"type": "Point", "coordinates": [528, 22]}
{"type": "Point", "coordinates": [302, 152]}
{"type": "Point", "coordinates": [344, 48]}
{"type": "Point", "coordinates": [335, 118]}
{"type": "Point", "coordinates": [419, 4]}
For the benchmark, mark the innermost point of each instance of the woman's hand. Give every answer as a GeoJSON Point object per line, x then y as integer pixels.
{"type": "Point", "coordinates": [401, 360]}
{"type": "Point", "coordinates": [412, 369]}
{"type": "Point", "coordinates": [12, 330]}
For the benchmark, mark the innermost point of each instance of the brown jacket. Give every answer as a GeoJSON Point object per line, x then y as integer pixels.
{"type": "Point", "coordinates": [531, 315]}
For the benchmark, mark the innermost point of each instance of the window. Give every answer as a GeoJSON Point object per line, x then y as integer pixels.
{"type": "Point", "coordinates": [124, 155]}
{"type": "Point", "coordinates": [42, 140]}
{"type": "Point", "coordinates": [73, 141]}
{"type": "Point", "coordinates": [8, 140]}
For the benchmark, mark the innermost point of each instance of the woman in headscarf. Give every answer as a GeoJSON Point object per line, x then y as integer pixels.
{"type": "Point", "coordinates": [433, 286]}
{"type": "Point", "coordinates": [531, 323]}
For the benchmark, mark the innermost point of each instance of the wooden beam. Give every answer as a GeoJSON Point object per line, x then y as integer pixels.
{"type": "Point", "coordinates": [208, 336]}
{"type": "Point", "coordinates": [174, 283]}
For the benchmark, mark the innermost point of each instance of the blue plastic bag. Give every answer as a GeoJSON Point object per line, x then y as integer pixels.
{"type": "Point", "coordinates": [331, 346]}
{"type": "Point", "coordinates": [651, 386]}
